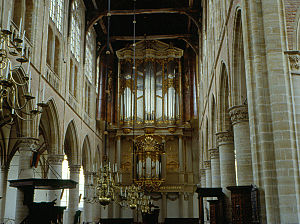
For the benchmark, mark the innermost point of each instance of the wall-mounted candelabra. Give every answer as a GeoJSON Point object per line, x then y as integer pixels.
{"type": "Point", "coordinates": [15, 82]}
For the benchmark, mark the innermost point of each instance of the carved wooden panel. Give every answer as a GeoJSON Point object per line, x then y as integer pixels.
{"type": "Point", "coordinates": [244, 203]}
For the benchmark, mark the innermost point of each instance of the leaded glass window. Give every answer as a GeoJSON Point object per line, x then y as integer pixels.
{"type": "Point", "coordinates": [75, 30]}
{"type": "Point", "coordinates": [56, 13]}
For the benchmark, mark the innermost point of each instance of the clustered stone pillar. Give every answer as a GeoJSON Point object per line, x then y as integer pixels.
{"type": "Point", "coordinates": [3, 188]}
{"type": "Point", "coordinates": [203, 177]}
{"type": "Point", "coordinates": [55, 172]}
{"type": "Point", "coordinates": [215, 167]}
{"type": "Point", "coordinates": [227, 167]}
{"type": "Point", "coordinates": [203, 185]}
{"type": "Point", "coordinates": [207, 167]}
{"type": "Point", "coordinates": [191, 205]}
{"type": "Point", "coordinates": [240, 122]}
{"type": "Point", "coordinates": [73, 193]}
{"type": "Point", "coordinates": [25, 172]}
{"type": "Point", "coordinates": [88, 211]}
{"type": "Point", "coordinates": [181, 205]}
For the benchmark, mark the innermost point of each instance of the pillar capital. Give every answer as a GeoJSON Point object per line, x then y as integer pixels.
{"type": "Point", "coordinates": [214, 153]}
{"type": "Point", "coordinates": [224, 137]}
{"type": "Point", "coordinates": [29, 144]}
{"type": "Point", "coordinates": [202, 172]}
{"type": "Point", "coordinates": [75, 168]}
{"type": "Point", "coordinates": [55, 159]}
{"type": "Point", "coordinates": [207, 164]}
{"type": "Point", "coordinates": [239, 114]}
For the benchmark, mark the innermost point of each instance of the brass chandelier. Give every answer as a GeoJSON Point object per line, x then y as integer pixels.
{"type": "Point", "coordinates": [15, 88]}
{"type": "Point", "coordinates": [107, 184]}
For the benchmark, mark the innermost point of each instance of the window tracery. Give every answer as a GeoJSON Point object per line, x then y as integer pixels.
{"type": "Point", "coordinates": [56, 13]}
{"type": "Point", "coordinates": [75, 30]}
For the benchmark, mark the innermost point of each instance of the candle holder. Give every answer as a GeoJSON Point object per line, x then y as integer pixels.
{"type": "Point", "coordinates": [13, 103]}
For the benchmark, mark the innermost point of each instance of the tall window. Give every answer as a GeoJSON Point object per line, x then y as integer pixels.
{"type": "Point", "coordinates": [88, 64]}
{"type": "Point", "coordinates": [75, 30]}
{"type": "Point", "coordinates": [73, 78]}
{"type": "Point", "coordinates": [56, 13]}
{"type": "Point", "coordinates": [89, 55]}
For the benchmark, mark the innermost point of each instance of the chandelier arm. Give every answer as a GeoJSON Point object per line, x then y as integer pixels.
{"type": "Point", "coordinates": [14, 81]}
{"type": "Point", "coordinates": [20, 117]}
{"type": "Point", "coordinates": [16, 106]}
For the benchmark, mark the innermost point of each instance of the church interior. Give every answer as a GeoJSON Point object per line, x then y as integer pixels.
{"type": "Point", "coordinates": [150, 111]}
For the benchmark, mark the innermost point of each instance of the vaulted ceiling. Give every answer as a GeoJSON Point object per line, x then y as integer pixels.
{"type": "Point", "coordinates": [176, 21]}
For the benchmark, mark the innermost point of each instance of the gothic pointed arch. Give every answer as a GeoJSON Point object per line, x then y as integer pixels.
{"type": "Point", "coordinates": [71, 144]}
{"type": "Point", "coordinates": [213, 121]}
{"type": "Point", "coordinates": [86, 154]}
{"type": "Point", "coordinates": [49, 125]}
{"type": "Point", "coordinates": [224, 123]}
{"type": "Point", "coordinates": [239, 89]}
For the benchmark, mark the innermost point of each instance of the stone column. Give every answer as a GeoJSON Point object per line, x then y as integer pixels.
{"type": "Point", "coordinates": [55, 172]}
{"type": "Point", "coordinates": [3, 188]}
{"type": "Point", "coordinates": [242, 145]}
{"type": "Point", "coordinates": [227, 167]}
{"type": "Point", "coordinates": [73, 193]}
{"type": "Point", "coordinates": [191, 205]}
{"type": "Point", "coordinates": [203, 177]}
{"type": "Point", "coordinates": [207, 167]}
{"type": "Point", "coordinates": [25, 172]}
{"type": "Point", "coordinates": [164, 211]}
{"type": "Point", "coordinates": [181, 205]}
{"type": "Point", "coordinates": [96, 206]}
{"type": "Point", "coordinates": [203, 185]}
{"type": "Point", "coordinates": [215, 167]}
{"type": "Point", "coordinates": [87, 206]}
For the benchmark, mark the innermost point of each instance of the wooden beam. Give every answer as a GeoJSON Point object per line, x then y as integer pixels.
{"type": "Point", "coordinates": [184, 11]}
{"type": "Point", "coordinates": [152, 37]}
{"type": "Point", "coordinates": [95, 4]}
{"type": "Point", "coordinates": [103, 27]}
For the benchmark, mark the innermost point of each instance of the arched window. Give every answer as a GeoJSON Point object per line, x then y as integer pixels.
{"type": "Point", "coordinates": [73, 78]}
{"type": "Point", "coordinates": [89, 56]}
{"type": "Point", "coordinates": [17, 13]}
{"type": "Point", "coordinates": [29, 19]}
{"type": "Point", "coordinates": [75, 30]}
{"type": "Point", "coordinates": [23, 15]}
{"type": "Point", "coordinates": [56, 13]}
{"type": "Point", "coordinates": [57, 56]}
{"type": "Point", "coordinates": [50, 46]}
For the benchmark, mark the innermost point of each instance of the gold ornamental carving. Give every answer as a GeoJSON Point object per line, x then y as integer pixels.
{"type": "Point", "coordinates": [239, 114]}
{"type": "Point", "coordinates": [126, 130]}
{"type": "Point", "coordinates": [214, 153]}
{"type": "Point", "coordinates": [225, 137]}
{"type": "Point", "coordinates": [172, 130]}
{"type": "Point", "coordinates": [149, 130]}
